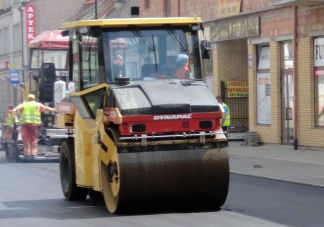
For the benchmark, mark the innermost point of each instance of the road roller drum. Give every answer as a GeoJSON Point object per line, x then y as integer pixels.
{"type": "Point", "coordinates": [176, 178]}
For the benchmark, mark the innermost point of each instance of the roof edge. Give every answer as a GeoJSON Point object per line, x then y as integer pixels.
{"type": "Point", "coordinates": [132, 21]}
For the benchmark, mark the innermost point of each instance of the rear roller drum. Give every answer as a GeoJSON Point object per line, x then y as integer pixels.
{"type": "Point", "coordinates": [110, 179]}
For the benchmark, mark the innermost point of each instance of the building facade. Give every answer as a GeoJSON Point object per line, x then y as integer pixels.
{"type": "Point", "coordinates": [106, 9]}
{"type": "Point", "coordinates": [268, 63]}
{"type": "Point", "coordinates": [20, 21]}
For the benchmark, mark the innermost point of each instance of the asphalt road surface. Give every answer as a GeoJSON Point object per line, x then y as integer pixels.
{"type": "Point", "coordinates": [30, 195]}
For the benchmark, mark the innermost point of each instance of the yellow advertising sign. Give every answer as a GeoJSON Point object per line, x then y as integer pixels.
{"type": "Point", "coordinates": [228, 8]}
{"type": "Point", "coordinates": [237, 89]}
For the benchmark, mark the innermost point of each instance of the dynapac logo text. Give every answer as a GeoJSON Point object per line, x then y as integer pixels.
{"type": "Point", "coordinates": [172, 117]}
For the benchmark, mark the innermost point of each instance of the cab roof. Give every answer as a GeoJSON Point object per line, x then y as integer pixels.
{"type": "Point", "coordinates": [124, 22]}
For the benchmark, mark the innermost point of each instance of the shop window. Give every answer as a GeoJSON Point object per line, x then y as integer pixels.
{"type": "Point", "coordinates": [319, 81]}
{"type": "Point", "coordinates": [263, 86]}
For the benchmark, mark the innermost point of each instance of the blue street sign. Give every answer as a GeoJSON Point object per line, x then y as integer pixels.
{"type": "Point", "coordinates": [14, 76]}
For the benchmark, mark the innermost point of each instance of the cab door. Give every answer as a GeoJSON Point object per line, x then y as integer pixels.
{"type": "Point", "coordinates": [87, 103]}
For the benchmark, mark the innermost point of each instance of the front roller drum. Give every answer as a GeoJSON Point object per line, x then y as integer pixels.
{"type": "Point", "coordinates": [166, 179]}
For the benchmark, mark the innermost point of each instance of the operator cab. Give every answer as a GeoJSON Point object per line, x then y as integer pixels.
{"type": "Point", "coordinates": [153, 67]}
{"type": "Point", "coordinates": [156, 50]}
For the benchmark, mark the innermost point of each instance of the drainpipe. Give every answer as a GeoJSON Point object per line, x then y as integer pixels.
{"type": "Point", "coordinates": [295, 43]}
{"type": "Point", "coordinates": [22, 28]}
{"type": "Point", "coordinates": [96, 9]}
{"type": "Point", "coordinates": [179, 5]}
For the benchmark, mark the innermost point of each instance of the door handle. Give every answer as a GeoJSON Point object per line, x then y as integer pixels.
{"type": "Point", "coordinates": [288, 114]}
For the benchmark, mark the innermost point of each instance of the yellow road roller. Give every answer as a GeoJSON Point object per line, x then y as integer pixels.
{"type": "Point", "coordinates": [139, 125]}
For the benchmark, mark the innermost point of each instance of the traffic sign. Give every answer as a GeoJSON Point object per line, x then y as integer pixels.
{"type": "Point", "coordinates": [14, 76]}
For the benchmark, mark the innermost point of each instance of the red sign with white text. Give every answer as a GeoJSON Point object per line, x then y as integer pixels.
{"type": "Point", "coordinates": [30, 23]}
{"type": "Point", "coordinates": [4, 64]}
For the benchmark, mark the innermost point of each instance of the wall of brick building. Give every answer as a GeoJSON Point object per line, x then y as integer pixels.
{"type": "Point", "coordinates": [276, 22]}
{"type": "Point", "coordinates": [268, 133]}
{"type": "Point", "coordinates": [279, 22]}
{"type": "Point", "coordinates": [155, 9]}
{"type": "Point", "coordinates": [50, 14]}
{"type": "Point", "coordinates": [310, 20]}
{"type": "Point", "coordinates": [308, 135]}
{"type": "Point", "coordinates": [252, 5]}
{"type": "Point", "coordinates": [230, 62]}
{"type": "Point", "coordinates": [202, 8]}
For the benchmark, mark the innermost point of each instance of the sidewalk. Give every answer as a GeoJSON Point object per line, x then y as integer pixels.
{"type": "Point", "coordinates": [278, 162]}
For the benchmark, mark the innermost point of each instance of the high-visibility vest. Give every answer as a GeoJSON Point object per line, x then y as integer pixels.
{"type": "Point", "coordinates": [9, 121]}
{"type": "Point", "coordinates": [31, 113]}
{"type": "Point", "coordinates": [227, 121]}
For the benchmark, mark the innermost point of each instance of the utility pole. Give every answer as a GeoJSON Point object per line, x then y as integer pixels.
{"type": "Point", "coordinates": [96, 9]}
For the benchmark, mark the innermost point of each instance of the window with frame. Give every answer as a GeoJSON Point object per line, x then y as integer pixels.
{"type": "Point", "coordinates": [16, 38]}
{"type": "Point", "coordinates": [319, 81]}
{"type": "Point", "coordinates": [90, 62]}
{"type": "Point", "coordinates": [263, 86]}
{"type": "Point", "coordinates": [150, 54]}
{"type": "Point", "coordinates": [76, 61]}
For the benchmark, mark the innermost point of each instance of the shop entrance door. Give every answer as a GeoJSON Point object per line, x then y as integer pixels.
{"type": "Point", "coordinates": [287, 94]}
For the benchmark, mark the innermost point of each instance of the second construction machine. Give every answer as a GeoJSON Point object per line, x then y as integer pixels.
{"type": "Point", "coordinates": [141, 127]}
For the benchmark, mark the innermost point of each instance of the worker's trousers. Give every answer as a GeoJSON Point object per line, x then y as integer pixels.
{"type": "Point", "coordinates": [29, 137]}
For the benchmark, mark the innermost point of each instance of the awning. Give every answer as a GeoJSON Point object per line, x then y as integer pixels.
{"type": "Point", "coordinates": [298, 2]}
{"type": "Point", "coordinates": [50, 40]}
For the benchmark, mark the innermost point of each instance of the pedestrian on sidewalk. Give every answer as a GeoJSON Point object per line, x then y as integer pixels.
{"type": "Point", "coordinates": [30, 120]}
{"type": "Point", "coordinates": [227, 121]}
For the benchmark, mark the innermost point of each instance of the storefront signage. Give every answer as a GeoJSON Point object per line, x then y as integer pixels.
{"type": "Point", "coordinates": [237, 89]}
{"type": "Point", "coordinates": [235, 29]}
{"type": "Point", "coordinates": [319, 72]}
{"type": "Point", "coordinates": [319, 52]}
{"type": "Point", "coordinates": [30, 23]}
{"type": "Point", "coordinates": [228, 8]}
{"type": "Point", "coordinates": [14, 76]}
{"type": "Point", "coordinates": [4, 65]}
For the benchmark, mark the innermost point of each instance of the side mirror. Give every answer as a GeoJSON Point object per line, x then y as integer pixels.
{"type": "Point", "coordinates": [205, 49]}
